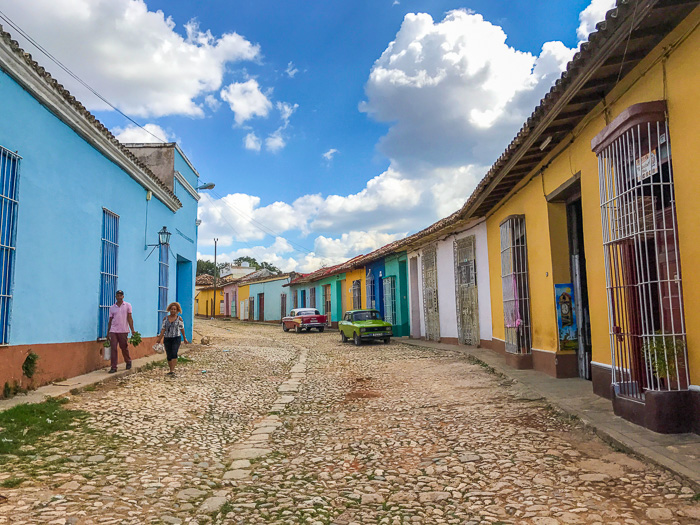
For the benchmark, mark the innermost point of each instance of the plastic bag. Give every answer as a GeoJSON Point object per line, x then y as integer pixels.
{"type": "Point", "coordinates": [107, 353]}
{"type": "Point", "coordinates": [158, 348]}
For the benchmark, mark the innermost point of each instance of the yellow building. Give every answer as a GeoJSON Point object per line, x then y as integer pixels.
{"type": "Point", "coordinates": [591, 214]}
{"type": "Point", "coordinates": [244, 312]}
{"type": "Point", "coordinates": [355, 289]}
{"type": "Point", "coordinates": [205, 303]}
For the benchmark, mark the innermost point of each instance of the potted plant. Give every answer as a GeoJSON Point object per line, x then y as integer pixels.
{"type": "Point", "coordinates": [665, 355]}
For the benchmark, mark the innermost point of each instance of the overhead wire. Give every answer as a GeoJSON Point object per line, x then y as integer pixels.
{"type": "Point", "coordinates": [43, 50]}
{"type": "Point", "coordinates": [257, 224]}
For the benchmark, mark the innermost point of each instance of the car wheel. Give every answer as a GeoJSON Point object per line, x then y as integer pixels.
{"type": "Point", "coordinates": [284, 327]}
{"type": "Point", "coordinates": [308, 329]}
{"type": "Point", "coordinates": [343, 337]}
{"type": "Point", "coordinates": [298, 329]}
{"type": "Point", "coordinates": [386, 341]}
{"type": "Point", "coordinates": [321, 328]}
{"type": "Point", "coordinates": [356, 339]}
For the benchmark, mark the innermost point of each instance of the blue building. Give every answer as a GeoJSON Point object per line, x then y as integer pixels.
{"type": "Point", "coordinates": [81, 216]}
{"type": "Point", "coordinates": [270, 296]}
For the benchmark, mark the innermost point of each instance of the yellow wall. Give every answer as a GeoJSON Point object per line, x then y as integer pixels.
{"type": "Point", "coordinates": [351, 276]}
{"type": "Point", "coordinates": [243, 295]}
{"type": "Point", "coordinates": [204, 297]}
{"type": "Point", "coordinates": [544, 223]}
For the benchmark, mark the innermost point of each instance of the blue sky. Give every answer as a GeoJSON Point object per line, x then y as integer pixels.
{"type": "Point", "coordinates": [329, 127]}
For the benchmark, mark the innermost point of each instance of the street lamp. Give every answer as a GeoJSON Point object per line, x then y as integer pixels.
{"type": "Point", "coordinates": [164, 236]}
{"type": "Point", "coordinates": [207, 186]}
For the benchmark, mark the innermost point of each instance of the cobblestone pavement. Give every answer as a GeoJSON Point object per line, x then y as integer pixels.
{"type": "Point", "coordinates": [271, 427]}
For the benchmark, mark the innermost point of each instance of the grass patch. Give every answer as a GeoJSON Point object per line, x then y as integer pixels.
{"type": "Point", "coordinates": [27, 424]}
{"type": "Point", "coordinates": [11, 483]}
{"type": "Point", "coordinates": [696, 497]}
{"type": "Point", "coordinates": [491, 370]}
{"type": "Point", "coordinates": [90, 388]}
{"type": "Point", "coordinates": [182, 359]}
{"type": "Point", "coordinates": [226, 508]}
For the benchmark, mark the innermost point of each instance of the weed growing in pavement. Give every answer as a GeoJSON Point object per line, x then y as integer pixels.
{"type": "Point", "coordinates": [25, 425]}
{"type": "Point", "coordinates": [226, 508]}
{"type": "Point", "coordinates": [11, 483]}
{"type": "Point", "coordinates": [183, 360]}
{"type": "Point", "coordinates": [90, 388]}
{"type": "Point", "coordinates": [491, 370]}
{"type": "Point", "coordinates": [696, 497]}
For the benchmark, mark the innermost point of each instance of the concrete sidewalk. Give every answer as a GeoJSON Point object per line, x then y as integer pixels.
{"type": "Point", "coordinates": [678, 453]}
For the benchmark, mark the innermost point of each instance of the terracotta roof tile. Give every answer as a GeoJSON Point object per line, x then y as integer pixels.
{"type": "Point", "coordinates": [6, 38]}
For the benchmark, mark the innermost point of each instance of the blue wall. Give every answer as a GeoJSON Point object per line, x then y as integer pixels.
{"type": "Point", "coordinates": [376, 270]}
{"type": "Point", "coordinates": [64, 184]}
{"type": "Point", "coordinates": [273, 303]}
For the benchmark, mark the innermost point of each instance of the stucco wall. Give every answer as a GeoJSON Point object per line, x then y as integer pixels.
{"type": "Point", "coordinates": [644, 84]}
{"type": "Point", "coordinates": [355, 275]}
{"type": "Point", "coordinates": [64, 185]}
{"type": "Point", "coordinates": [273, 302]}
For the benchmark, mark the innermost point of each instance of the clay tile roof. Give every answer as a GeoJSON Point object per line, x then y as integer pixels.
{"type": "Point", "coordinates": [627, 35]}
{"type": "Point", "coordinates": [204, 280]}
{"type": "Point", "coordinates": [6, 38]}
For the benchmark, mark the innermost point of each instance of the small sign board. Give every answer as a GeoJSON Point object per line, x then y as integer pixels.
{"type": "Point", "coordinates": [566, 316]}
{"type": "Point", "coordinates": [647, 165]}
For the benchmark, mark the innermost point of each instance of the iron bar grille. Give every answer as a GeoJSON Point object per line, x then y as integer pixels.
{"type": "Point", "coordinates": [327, 301]}
{"type": "Point", "coordinates": [390, 300]}
{"type": "Point", "coordinates": [312, 297]}
{"type": "Point", "coordinates": [283, 305]}
{"type": "Point", "coordinates": [108, 268]}
{"type": "Point", "coordinates": [642, 263]}
{"type": "Point", "coordinates": [516, 291]}
{"type": "Point", "coordinates": [371, 301]}
{"type": "Point", "coordinates": [9, 180]}
{"type": "Point", "coordinates": [466, 291]}
{"type": "Point", "coordinates": [431, 310]}
{"type": "Point", "coordinates": [356, 295]}
{"type": "Point", "coordinates": [163, 268]}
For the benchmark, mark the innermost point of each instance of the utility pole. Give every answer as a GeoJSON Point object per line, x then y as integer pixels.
{"type": "Point", "coordinates": [215, 271]}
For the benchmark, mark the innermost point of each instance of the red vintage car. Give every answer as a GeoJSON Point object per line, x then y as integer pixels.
{"type": "Point", "coordinates": [304, 319]}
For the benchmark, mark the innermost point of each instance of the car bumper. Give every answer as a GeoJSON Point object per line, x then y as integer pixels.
{"type": "Point", "coordinates": [312, 325]}
{"type": "Point", "coordinates": [375, 335]}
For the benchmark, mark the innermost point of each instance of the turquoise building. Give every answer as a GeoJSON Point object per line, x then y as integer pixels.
{"type": "Point", "coordinates": [82, 216]}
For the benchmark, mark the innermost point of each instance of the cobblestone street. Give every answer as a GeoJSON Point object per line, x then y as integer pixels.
{"type": "Point", "coordinates": [264, 426]}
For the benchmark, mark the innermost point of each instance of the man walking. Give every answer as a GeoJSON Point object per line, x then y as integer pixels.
{"type": "Point", "coordinates": [120, 322]}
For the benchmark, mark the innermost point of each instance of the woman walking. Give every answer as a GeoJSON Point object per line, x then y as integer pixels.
{"type": "Point", "coordinates": [170, 334]}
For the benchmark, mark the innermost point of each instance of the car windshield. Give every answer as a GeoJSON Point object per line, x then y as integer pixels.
{"type": "Point", "coordinates": [366, 316]}
{"type": "Point", "coordinates": [307, 312]}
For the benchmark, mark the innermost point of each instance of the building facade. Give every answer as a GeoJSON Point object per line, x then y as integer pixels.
{"type": "Point", "coordinates": [72, 192]}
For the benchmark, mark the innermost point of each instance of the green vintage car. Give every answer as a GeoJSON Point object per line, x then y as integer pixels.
{"type": "Point", "coordinates": [364, 325]}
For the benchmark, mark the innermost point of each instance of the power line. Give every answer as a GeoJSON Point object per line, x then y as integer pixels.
{"type": "Point", "coordinates": [260, 226]}
{"type": "Point", "coordinates": [43, 50]}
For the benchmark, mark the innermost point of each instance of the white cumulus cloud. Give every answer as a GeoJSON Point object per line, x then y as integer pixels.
{"type": "Point", "coordinates": [328, 155]}
{"type": "Point", "coordinates": [454, 91]}
{"type": "Point", "coordinates": [148, 133]}
{"type": "Point", "coordinates": [246, 100]}
{"type": "Point", "coordinates": [590, 16]}
{"type": "Point", "coordinates": [291, 70]}
{"type": "Point", "coordinates": [252, 142]}
{"type": "Point", "coordinates": [135, 58]}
